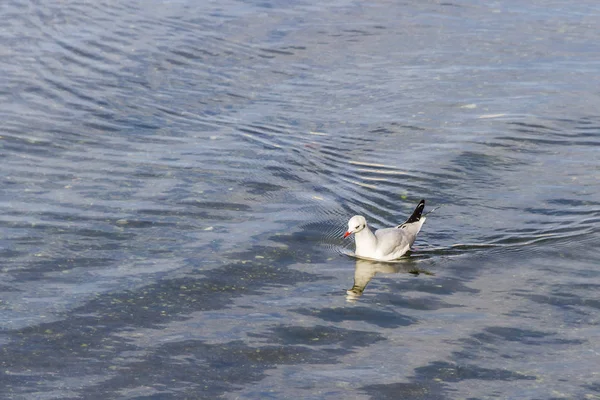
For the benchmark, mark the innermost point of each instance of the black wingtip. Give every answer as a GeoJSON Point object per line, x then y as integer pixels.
{"type": "Point", "coordinates": [416, 215]}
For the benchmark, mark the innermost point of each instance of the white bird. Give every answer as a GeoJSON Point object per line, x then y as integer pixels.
{"type": "Point", "coordinates": [389, 243]}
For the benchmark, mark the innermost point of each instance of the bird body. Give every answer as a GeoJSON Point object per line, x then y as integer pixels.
{"type": "Point", "coordinates": [389, 243]}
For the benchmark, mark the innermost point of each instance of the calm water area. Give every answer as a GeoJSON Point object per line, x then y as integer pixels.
{"type": "Point", "coordinates": [176, 177]}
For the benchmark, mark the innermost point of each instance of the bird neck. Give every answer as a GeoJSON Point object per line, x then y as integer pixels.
{"type": "Point", "coordinates": [366, 242]}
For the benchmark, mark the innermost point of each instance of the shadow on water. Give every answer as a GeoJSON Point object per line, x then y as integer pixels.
{"type": "Point", "coordinates": [104, 330]}
{"type": "Point", "coordinates": [431, 382]}
{"type": "Point", "coordinates": [379, 318]}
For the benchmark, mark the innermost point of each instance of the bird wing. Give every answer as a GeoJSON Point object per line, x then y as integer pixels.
{"type": "Point", "coordinates": [397, 240]}
{"type": "Point", "coordinates": [392, 240]}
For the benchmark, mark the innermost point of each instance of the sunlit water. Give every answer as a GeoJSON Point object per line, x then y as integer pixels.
{"type": "Point", "coordinates": [177, 175]}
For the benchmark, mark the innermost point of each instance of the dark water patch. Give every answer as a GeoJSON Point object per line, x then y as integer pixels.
{"type": "Point", "coordinates": [194, 369]}
{"type": "Point", "coordinates": [531, 127]}
{"type": "Point", "coordinates": [142, 125]}
{"type": "Point", "coordinates": [272, 53]}
{"type": "Point", "coordinates": [455, 372]}
{"type": "Point", "coordinates": [517, 334]}
{"type": "Point", "coordinates": [576, 206]}
{"type": "Point", "coordinates": [30, 145]}
{"type": "Point", "coordinates": [261, 188]}
{"type": "Point", "coordinates": [429, 382]}
{"type": "Point", "coordinates": [591, 287]}
{"type": "Point", "coordinates": [594, 387]}
{"type": "Point", "coordinates": [144, 224]}
{"type": "Point", "coordinates": [74, 95]}
{"type": "Point", "coordinates": [274, 130]}
{"type": "Point", "coordinates": [99, 229]}
{"type": "Point", "coordinates": [421, 303]}
{"type": "Point", "coordinates": [104, 45]}
{"type": "Point", "coordinates": [566, 300]}
{"type": "Point", "coordinates": [193, 53]}
{"type": "Point", "coordinates": [320, 335]}
{"type": "Point", "coordinates": [102, 125]}
{"type": "Point", "coordinates": [585, 127]}
{"type": "Point", "coordinates": [211, 205]}
{"type": "Point", "coordinates": [7, 288]}
{"type": "Point", "coordinates": [356, 31]}
{"type": "Point", "coordinates": [383, 319]}
{"type": "Point", "coordinates": [287, 174]}
{"type": "Point", "coordinates": [174, 62]}
{"type": "Point", "coordinates": [109, 232]}
{"type": "Point", "coordinates": [69, 244]}
{"type": "Point", "coordinates": [98, 329]}
{"type": "Point", "coordinates": [583, 209]}
{"type": "Point", "coordinates": [498, 334]}
{"type": "Point", "coordinates": [419, 391]}
{"type": "Point", "coordinates": [475, 162]}
{"type": "Point", "coordinates": [438, 286]}
{"type": "Point", "coordinates": [41, 268]}
{"type": "Point", "coordinates": [81, 52]}
{"type": "Point", "coordinates": [186, 368]}
{"type": "Point", "coordinates": [551, 141]}
{"type": "Point", "coordinates": [21, 240]}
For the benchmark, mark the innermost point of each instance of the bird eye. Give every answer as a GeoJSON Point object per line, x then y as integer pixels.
{"type": "Point", "coordinates": [357, 226]}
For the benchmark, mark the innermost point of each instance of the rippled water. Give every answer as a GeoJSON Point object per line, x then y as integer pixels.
{"type": "Point", "coordinates": [176, 178]}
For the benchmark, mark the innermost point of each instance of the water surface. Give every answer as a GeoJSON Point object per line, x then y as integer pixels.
{"type": "Point", "coordinates": [176, 178]}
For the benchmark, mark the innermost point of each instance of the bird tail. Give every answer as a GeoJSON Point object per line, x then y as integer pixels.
{"type": "Point", "coordinates": [416, 215]}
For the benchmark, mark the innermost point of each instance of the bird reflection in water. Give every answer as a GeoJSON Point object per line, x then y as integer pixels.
{"type": "Point", "coordinates": [365, 270]}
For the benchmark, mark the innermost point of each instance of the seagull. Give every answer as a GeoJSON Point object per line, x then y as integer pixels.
{"type": "Point", "coordinates": [386, 244]}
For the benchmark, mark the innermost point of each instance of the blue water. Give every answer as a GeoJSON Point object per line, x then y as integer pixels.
{"type": "Point", "coordinates": [177, 176]}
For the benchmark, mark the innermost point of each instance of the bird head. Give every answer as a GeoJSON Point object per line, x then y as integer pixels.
{"type": "Point", "coordinates": [355, 225]}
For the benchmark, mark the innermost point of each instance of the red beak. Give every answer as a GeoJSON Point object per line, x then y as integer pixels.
{"type": "Point", "coordinates": [347, 234]}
